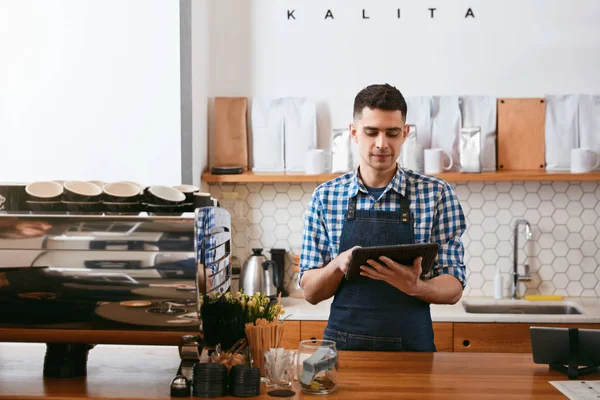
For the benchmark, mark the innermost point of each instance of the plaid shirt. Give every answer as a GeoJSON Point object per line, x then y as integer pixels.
{"type": "Point", "coordinates": [438, 217]}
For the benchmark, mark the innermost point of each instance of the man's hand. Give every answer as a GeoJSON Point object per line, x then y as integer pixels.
{"type": "Point", "coordinates": [319, 284]}
{"type": "Point", "coordinates": [343, 259]}
{"type": "Point", "coordinates": [443, 289]}
{"type": "Point", "coordinates": [403, 277]}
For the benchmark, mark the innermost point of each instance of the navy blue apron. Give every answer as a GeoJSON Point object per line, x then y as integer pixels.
{"type": "Point", "coordinates": [372, 315]}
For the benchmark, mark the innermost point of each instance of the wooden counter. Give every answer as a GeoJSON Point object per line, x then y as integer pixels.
{"type": "Point", "coordinates": [145, 372]}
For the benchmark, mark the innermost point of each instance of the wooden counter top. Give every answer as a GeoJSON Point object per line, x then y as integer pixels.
{"type": "Point", "coordinates": [145, 372]}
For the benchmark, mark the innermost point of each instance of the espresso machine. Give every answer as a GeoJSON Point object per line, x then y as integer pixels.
{"type": "Point", "coordinates": [142, 275]}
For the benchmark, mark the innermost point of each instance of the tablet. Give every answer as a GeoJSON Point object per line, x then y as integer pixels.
{"type": "Point", "coordinates": [401, 253]}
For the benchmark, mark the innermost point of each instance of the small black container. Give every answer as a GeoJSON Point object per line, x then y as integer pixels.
{"type": "Point", "coordinates": [66, 360]}
{"type": "Point", "coordinates": [227, 170]}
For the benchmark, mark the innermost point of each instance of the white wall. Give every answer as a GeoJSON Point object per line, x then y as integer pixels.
{"type": "Point", "coordinates": [89, 89]}
{"type": "Point", "coordinates": [200, 87]}
{"type": "Point", "coordinates": [230, 50]}
{"type": "Point", "coordinates": [513, 48]}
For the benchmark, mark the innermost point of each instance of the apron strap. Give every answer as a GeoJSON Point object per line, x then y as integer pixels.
{"type": "Point", "coordinates": [405, 209]}
{"type": "Point", "coordinates": [351, 213]}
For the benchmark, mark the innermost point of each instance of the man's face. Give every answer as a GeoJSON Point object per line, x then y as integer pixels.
{"type": "Point", "coordinates": [379, 135]}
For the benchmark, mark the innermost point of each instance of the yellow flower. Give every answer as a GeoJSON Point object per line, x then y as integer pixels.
{"type": "Point", "coordinates": [261, 309]}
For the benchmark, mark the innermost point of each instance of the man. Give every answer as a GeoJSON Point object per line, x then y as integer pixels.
{"type": "Point", "coordinates": [388, 308]}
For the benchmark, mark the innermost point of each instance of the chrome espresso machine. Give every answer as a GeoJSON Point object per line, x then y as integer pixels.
{"type": "Point", "coordinates": [74, 281]}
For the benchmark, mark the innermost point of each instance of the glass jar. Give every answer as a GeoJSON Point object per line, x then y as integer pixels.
{"type": "Point", "coordinates": [317, 366]}
{"type": "Point", "coordinates": [279, 367]}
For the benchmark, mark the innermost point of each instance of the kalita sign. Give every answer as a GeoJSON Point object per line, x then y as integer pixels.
{"type": "Point", "coordinates": [329, 14]}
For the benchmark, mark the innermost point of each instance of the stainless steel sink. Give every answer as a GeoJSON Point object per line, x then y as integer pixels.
{"type": "Point", "coordinates": [563, 309]}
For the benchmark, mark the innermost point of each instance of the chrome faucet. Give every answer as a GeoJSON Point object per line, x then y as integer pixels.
{"type": "Point", "coordinates": [516, 277]}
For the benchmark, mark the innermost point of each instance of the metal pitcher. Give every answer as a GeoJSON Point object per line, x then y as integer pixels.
{"type": "Point", "coordinates": [260, 275]}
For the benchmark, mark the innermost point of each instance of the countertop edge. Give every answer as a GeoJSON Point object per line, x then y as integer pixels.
{"type": "Point", "coordinates": [300, 310]}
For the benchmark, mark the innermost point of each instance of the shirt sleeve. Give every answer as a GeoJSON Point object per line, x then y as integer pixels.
{"type": "Point", "coordinates": [448, 226]}
{"type": "Point", "coordinates": [315, 239]}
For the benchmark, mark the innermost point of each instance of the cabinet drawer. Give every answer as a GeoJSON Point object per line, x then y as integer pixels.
{"type": "Point", "coordinates": [291, 334]}
{"type": "Point", "coordinates": [311, 330]}
{"type": "Point", "coordinates": [499, 337]}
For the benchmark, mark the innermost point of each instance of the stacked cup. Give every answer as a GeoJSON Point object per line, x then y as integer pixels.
{"type": "Point", "coordinates": [82, 197]}
{"type": "Point", "coordinates": [190, 192]}
{"type": "Point", "coordinates": [164, 200]}
{"type": "Point", "coordinates": [209, 380]}
{"type": "Point", "coordinates": [122, 197]}
{"type": "Point", "coordinates": [244, 381]}
{"type": "Point", "coordinates": [44, 196]}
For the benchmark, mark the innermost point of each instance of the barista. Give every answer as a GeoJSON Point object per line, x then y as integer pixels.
{"type": "Point", "coordinates": [388, 309]}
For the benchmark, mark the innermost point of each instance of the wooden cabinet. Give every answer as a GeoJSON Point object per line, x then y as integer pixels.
{"type": "Point", "coordinates": [499, 337]}
{"type": "Point", "coordinates": [441, 330]}
{"type": "Point", "coordinates": [291, 334]}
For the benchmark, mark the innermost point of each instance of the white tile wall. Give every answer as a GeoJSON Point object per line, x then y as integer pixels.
{"type": "Point", "coordinates": [565, 218]}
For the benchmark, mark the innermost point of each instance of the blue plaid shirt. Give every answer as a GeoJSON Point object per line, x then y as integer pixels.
{"type": "Point", "coordinates": [438, 217]}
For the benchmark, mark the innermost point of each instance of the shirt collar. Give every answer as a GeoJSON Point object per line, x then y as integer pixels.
{"type": "Point", "coordinates": [398, 183]}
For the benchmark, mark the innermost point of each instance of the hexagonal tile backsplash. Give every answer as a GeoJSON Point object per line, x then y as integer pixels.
{"type": "Point", "coordinates": [563, 253]}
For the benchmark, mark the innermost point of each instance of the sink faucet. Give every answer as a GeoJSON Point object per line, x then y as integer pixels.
{"type": "Point", "coordinates": [516, 277]}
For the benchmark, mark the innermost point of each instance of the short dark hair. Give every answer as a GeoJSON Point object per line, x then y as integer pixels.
{"type": "Point", "coordinates": [384, 97]}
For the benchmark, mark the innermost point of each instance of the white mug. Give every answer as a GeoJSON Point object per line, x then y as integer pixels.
{"type": "Point", "coordinates": [433, 161]}
{"type": "Point", "coordinates": [581, 160]}
{"type": "Point", "coordinates": [318, 161]}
